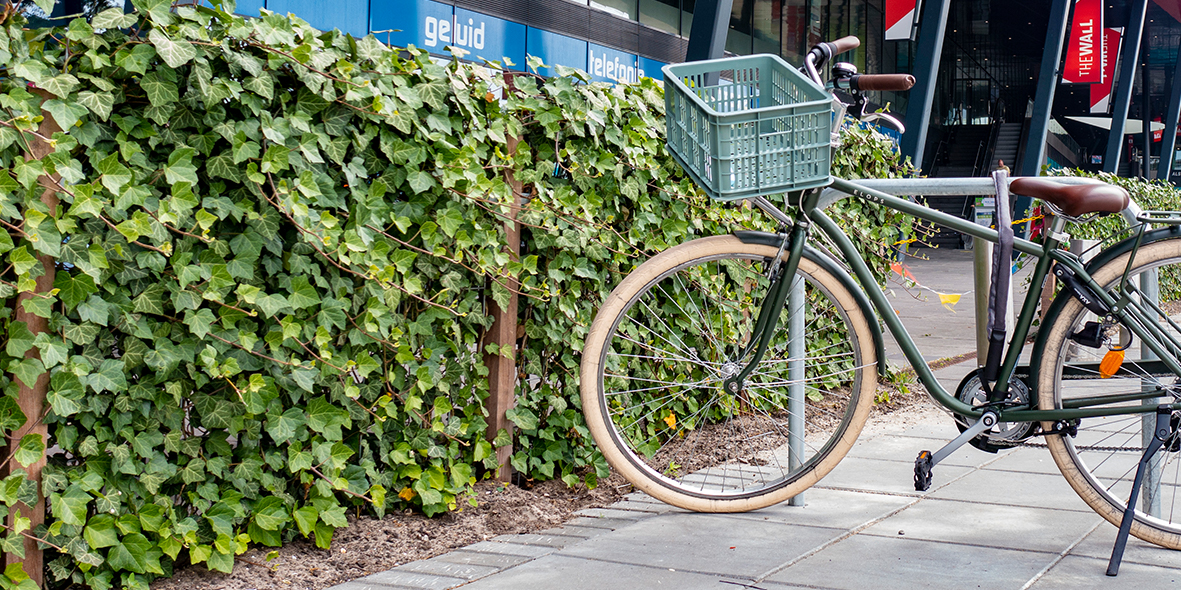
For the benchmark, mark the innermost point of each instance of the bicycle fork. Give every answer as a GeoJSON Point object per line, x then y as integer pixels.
{"type": "Point", "coordinates": [782, 273]}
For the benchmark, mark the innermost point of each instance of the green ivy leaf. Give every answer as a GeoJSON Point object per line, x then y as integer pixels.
{"type": "Point", "coordinates": [99, 103]}
{"type": "Point", "coordinates": [174, 53]}
{"type": "Point", "coordinates": [113, 18]}
{"type": "Point", "coordinates": [100, 532]}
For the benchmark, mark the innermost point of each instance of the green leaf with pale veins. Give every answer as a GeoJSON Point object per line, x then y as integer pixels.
{"type": "Point", "coordinates": [303, 294]}
{"type": "Point", "coordinates": [27, 370]}
{"type": "Point", "coordinates": [20, 339]}
{"type": "Point", "coordinates": [282, 427]}
{"type": "Point", "coordinates": [109, 377]}
{"type": "Point", "coordinates": [114, 174]}
{"type": "Point", "coordinates": [113, 18]}
{"type": "Point", "coordinates": [65, 113]}
{"type": "Point", "coordinates": [70, 507]}
{"type": "Point", "coordinates": [99, 103]}
{"type": "Point", "coordinates": [73, 288]}
{"type": "Point", "coordinates": [31, 449]}
{"type": "Point", "coordinates": [160, 91]}
{"type": "Point", "coordinates": [174, 53]}
{"type": "Point", "coordinates": [100, 532]}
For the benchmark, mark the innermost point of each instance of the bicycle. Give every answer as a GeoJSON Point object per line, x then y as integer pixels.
{"type": "Point", "coordinates": [732, 372]}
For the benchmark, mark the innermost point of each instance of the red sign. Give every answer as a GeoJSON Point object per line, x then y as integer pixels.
{"type": "Point", "coordinates": [1157, 134]}
{"type": "Point", "coordinates": [900, 19]}
{"type": "Point", "coordinates": [1084, 54]}
{"type": "Point", "coordinates": [1101, 92]}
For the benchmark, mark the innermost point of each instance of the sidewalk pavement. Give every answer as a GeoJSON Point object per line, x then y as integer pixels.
{"type": "Point", "coordinates": [1005, 521]}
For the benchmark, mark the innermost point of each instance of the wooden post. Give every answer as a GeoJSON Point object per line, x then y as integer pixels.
{"type": "Point", "coordinates": [502, 368]}
{"type": "Point", "coordinates": [31, 398]}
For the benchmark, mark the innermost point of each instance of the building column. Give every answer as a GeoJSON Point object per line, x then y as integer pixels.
{"type": "Point", "coordinates": [1169, 141]}
{"type": "Point", "coordinates": [1133, 35]}
{"type": "Point", "coordinates": [711, 23]}
{"type": "Point", "coordinates": [926, 72]}
{"type": "Point", "coordinates": [1047, 84]}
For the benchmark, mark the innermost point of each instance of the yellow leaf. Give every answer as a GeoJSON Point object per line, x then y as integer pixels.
{"type": "Point", "coordinates": [407, 494]}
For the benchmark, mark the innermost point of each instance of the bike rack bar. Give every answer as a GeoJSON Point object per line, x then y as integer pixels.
{"type": "Point", "coordinates": [1151, 492]}
{"type": "Point", "coordinates": [982, 186]}
{"type": "Point", "coordinates": [796, 377]}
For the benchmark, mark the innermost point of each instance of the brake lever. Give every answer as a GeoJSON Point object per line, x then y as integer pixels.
{"type": "Point", "coordinates": [889, 119]}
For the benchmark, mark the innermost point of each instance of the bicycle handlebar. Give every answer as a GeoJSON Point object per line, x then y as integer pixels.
{"type": "Point", "coordinates": [879, 82]}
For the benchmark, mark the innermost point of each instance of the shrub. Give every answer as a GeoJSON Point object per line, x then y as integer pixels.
{"type": "Point", "coordinates": [274, 256]}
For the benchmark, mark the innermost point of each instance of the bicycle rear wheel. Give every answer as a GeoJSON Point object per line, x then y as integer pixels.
{"type": "Point", "coordinates": [1100, 462]}
{"type": "Point", "coordinates": [668, 336]}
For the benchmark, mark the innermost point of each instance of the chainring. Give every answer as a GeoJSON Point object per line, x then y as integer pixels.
{"type": "Point", "coordinates": [1003, 435]}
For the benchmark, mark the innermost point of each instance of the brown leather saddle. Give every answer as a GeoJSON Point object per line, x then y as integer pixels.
{"type": "Point", "coordinates": [1074, 200]}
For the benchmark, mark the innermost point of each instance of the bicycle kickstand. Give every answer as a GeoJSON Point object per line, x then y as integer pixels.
{"type": "Point", "coordinates": [926, 461]}
{"type": "Point", "coordinates": [1162, 433]}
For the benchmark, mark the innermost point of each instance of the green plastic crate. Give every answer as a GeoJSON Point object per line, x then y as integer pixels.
{"type": "Point", "coordinates": [761, 128]}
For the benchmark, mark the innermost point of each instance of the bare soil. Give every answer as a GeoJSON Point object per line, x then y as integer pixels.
{"type": "Point", "coordinates": [370, 545]}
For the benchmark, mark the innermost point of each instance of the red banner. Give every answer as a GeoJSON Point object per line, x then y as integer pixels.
{"type": "Point", "coordinates": [1101, 92]}
{"type": "Point", "coordinates": [1084, 51]}
{"type": "Point", "coordinates": [900, 19]}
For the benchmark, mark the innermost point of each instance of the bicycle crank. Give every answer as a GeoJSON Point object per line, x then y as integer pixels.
{"type": "Point", "coordinates": [927, 460]}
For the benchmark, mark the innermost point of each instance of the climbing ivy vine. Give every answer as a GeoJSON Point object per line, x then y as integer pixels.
{"type": "Point", "coordinates": [275, 252]}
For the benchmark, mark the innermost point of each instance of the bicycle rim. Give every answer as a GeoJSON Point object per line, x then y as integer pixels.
{"type": "Point", "coordinates": [671, 338]}
{"type": "Point", "coordinates": [1100, 462]}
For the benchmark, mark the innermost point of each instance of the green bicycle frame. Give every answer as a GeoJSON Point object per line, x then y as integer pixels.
{"type": "Point", "coordinates": [1131, 314]}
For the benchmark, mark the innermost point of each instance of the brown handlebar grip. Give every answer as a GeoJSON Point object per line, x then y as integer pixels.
{"type": "Point", "coordinates": [845, 44]}
{"type": "Point", "coordinates": [883, 82]}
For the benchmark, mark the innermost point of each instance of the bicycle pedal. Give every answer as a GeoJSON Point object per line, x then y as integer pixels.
{"type": "Point", "coordinates": [922, 471]}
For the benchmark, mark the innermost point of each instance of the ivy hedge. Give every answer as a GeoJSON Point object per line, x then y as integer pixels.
{"type": "Point", "coordinates": [275, 253]}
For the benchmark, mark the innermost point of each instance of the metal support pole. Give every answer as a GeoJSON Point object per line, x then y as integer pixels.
{"type": "Point", "coordinates": [926, 72]}
{"type": "Point", "coordinates": [1133, 35]}
{"type": "Point", "coordinates": [711, 23]}
{"type": "Point", "coordinates": [1169, 142]}
{"type": "Point", "coordinates": [1047, 83]}
{"type": "Point", "coordinates": [1145, 116]}
{"type": "Point", "coordinates": [1150, 494]}
{"type": "Point", "coordinates": [795, 375]}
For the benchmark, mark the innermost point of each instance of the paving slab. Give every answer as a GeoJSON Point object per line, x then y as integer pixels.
{"type": "Point", "coordinates": [884, 476]}
{"type": "Point", "coordinates": [412, 579]}
{"type": "Point", "coordinates": [438, 566]}
{"type": "Point", "coordinates": [1099, 543]}
{"type": "Point", "coordinates": [903, 449]}
{"type": "Point", "coordinates": [569, 573]}
{"type": "Point", "coordinates": [841, 509]}
{"type": "Point", "coordinates": [905, 564]}
{"type": "Point", "coordinates": [1005, 527]}
{"type": "Point", "coordinates": [494, 560]}
{"type": "Point", "coordinates": [1005, 488]}
{"type": "Point", "coordinates": [1075, 572]}
{"type": "Point", "coordinates": [508, 547]}
{"type": "Point", "coordinates": [706, 543]}
{"type": "Point", "coordinates": [1027, 460]}
{"type": "Point", "coordinates": [554, 541]}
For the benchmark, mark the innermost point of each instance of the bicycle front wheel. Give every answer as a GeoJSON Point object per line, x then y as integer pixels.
{"type": "Point", "coordinates": [675, 329]}
{"type": "Point", "coordinates": [1100, 462]}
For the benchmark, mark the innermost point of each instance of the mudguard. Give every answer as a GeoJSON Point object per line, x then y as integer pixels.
{"type": "Point", "coordinates": [1060, 301]}
{"type": "Point", "coordinates": [835, 269]}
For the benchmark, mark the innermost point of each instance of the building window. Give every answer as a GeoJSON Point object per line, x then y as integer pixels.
{"type": "Point", "coordinates": [621, 8]}
{"type": "Point", "coordinates": [664, 15]}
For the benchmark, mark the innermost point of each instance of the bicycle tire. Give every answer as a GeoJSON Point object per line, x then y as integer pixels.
{"type": "Point", "coordinates": [1100, 462]}
{"type": "Point", "coordinates": [688, 443]}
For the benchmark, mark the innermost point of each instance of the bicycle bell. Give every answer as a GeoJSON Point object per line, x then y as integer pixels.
{"type": "Point", "coordinates": [844, 69]}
